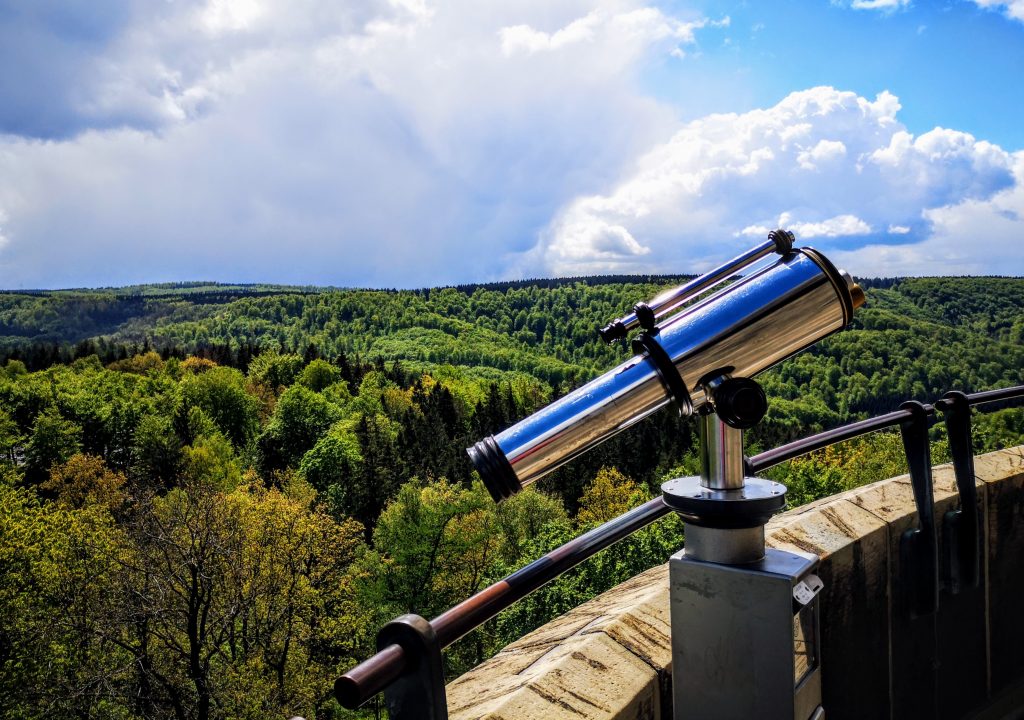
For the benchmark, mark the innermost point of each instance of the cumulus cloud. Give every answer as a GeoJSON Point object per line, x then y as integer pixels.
{"type": "Point", "coordinates": [373, 142]}
{"type": "Point", "coordinates": [838, 226]}
{"type": "Point", "coordinates": [824, 152]}
{"type": "Point", "coordinates": [830, 165]}
{"type": "Point", "coordinates": [642, 26]}
{"type": "Point", "coordinates": [1011, 8]}
{"type": "Point", "coordinates": [973, 237]}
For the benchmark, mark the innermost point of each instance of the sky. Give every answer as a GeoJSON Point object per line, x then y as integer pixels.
{"type": "Point", "coordinates": [412, 143]}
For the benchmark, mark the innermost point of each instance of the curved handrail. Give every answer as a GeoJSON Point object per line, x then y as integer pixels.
{"type": "Point", "coordinates": [373, 675]}
{"type": "Point", "coordinates": [377, 672]}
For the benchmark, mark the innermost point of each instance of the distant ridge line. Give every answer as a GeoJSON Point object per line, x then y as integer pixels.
{"type": "Point", "coordinates": [256, 289]}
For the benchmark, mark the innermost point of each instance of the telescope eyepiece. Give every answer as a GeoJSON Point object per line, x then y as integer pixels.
{"type": "Point", "coordinates": [613, 331]}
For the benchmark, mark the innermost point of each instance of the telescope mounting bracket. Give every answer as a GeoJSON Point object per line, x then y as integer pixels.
{"type": "Point", "coordinates": [723, 497]}
{"type": "Point", "coordinates": [648, 344]}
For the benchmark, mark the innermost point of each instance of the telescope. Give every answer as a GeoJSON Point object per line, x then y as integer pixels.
{"type": "Point", "coordinates": [700, 355]}
{"type": "Point", "coordinates": [751, 608]}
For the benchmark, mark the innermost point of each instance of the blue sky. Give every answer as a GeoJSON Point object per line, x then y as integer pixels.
{"type": "Point", "coordinates": [952, 64]}
{"type": "Point", "coordinates": [398, 143]}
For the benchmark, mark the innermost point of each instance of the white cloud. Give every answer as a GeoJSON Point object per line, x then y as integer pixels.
{"type": "Point", "coordinates": [605, 27]}
{"type": "Point", "coordinates": [368, 143]}
{"type": "Point", "coordinates": [972, 237]}
{"type": "Point", "coordinates": [524, 39]}
{"type": "Point", "coordinates": [838, 226]}
{"type": "Point", "coordinates": [899, 229]}
{"type": "Point", "coordinates": [887, 5]}
{"type": "Point", "coordinates": [220, 16]}
{"type": "Point", "coordinates": [829, 165]}
{"type": "Point", "coordinates": [824, 152]}
{"type": "Point", "coordinates": [1011, 8]}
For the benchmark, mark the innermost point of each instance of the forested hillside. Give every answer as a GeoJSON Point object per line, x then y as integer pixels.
{"type": "Point", "coordinates": [212, 496]}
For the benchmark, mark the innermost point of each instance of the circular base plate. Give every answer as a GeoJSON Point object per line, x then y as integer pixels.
{"type": "Point", "coordinates": [747, 507]}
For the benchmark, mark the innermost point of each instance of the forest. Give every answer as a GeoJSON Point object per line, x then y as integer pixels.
{"type": "Point", "coordinates": [212, 496]}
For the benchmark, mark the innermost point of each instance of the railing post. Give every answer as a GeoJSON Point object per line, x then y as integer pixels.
{"type": "Point", "coordinates": [918, 546]}
{"type": "Point", "coordinates": [961, 538]}
{"type": "Point", "coordinates": [418, 693]}
{"type": "Point", "coordinates": [914, 643]}
{"type": "Point", "coordinates": [962, 641]}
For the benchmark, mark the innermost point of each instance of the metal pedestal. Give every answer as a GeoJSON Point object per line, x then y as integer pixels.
{"type": "Point", "coordinates": [743, 646]}
{"type": "Point", "coordinates": [744, 618]}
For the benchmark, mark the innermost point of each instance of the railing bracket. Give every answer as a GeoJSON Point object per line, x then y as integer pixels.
{"type": "Point", "coordinates": [961, 539]}
{"type": "Point", "coordinates": [418, 694]}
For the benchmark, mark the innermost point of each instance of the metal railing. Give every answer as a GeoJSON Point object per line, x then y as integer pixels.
{"type": "Point", "coordinates": [410, 647]}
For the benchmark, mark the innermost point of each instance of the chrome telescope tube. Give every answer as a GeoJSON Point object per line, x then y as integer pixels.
{"type": "Point", "coordinates": [741, 330]}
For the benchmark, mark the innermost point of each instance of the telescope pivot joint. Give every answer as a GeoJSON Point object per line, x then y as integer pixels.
{"type": "Point", "coordinates": [726, 509]}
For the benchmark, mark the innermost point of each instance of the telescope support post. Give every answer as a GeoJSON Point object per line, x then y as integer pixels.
{"type": "Point", "coordinates": [721, 454]}
{"type": "Point", "coordinates": [745, 637]}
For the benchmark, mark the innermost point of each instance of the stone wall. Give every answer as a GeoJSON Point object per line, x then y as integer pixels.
{"type": "Point", "coordinates": [611, 657]}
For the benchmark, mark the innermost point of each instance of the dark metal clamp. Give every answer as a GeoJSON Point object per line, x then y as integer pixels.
{"type": "Point", "coordinates": [918, 547]}
{"type": "Point", "coordinates": [418, 694]}
{"type": "Point", "coordinates": [648, 344]}
{"type": "Point", "coordinates": [961, 537]}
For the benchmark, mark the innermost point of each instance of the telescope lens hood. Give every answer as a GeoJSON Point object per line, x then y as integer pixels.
{"type": "Point", "coordinates": [494, 468]}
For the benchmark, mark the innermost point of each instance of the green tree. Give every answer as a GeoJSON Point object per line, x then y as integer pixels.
{"type": "Point", "coordinates": [85, 480]}
{"type": "Point", "coordinates": [211, 461]}
{"type": "Point", "coordinates": [10, 438]}
{"type": "Point", "coordinates": [318, 375]}
{"type": "Point", "coordinates": [434, 544]}
{"type": "Point", "coordinates": [53, 440]}
{"type": "Point", "coordinates": [157, 454]}
{"type": "Point", "coordinates": [54, 591]}
{"type": "Point", "coordinates": [334, 464]}
{"type": "Point", "coordinates": [220, 393]}
{"type": "Point", "coordinates": [300, 419]}
{"type": "Point", "coordinates": [609, 495]}
{"type": "Point", "coordinates": [275, 370]}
